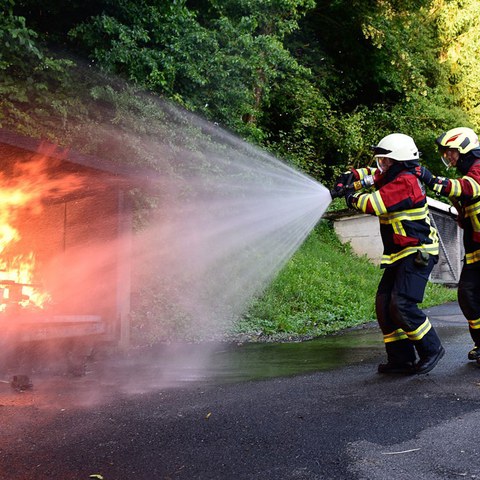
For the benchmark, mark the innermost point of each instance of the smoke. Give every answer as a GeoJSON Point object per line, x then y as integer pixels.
{"type": "Point", "coordinates": [215, 219]}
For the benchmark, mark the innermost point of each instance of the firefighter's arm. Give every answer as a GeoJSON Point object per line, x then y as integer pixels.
{"type": "Point", "coordinates": [364, 172]}
{"type": "Point", "coordinates": [466, 187]}
{"type": "Point", "coordinates": [361, 202]}
{"type": "Point", "coordinates": [389, 198]}
{"type": "Point", "coordinates": [342, 184]}
{"type": "Point", "coordinates": [440, 185]}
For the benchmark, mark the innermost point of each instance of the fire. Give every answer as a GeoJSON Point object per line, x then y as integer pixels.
{"type": "Point", "coordinates": [16, 286]}
{"type": "Point", "coordinates": [28, 183]}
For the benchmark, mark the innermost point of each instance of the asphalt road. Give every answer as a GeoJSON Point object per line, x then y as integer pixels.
{"type": "Point", "coordinates": [126, 421]}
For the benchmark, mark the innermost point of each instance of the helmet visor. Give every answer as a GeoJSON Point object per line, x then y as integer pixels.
{"type": "Point", "coordinates": [443, 151]}
{"type": "Point", "coordinates": [382, 165]}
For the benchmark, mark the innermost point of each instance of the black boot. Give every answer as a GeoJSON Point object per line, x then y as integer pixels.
{"type": "Point", "coordinates": [400, 358]}
{"type": "Point", "coordinates": [474, 353]}
{"type": "Point", "coordinates": [427, 363]}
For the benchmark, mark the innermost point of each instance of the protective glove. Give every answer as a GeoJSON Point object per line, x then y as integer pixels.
{"type": "Point", "coordinates": [437, 184]}
{"type": "Point", "coordinates": [342, 181]}
{"type": "Point", "coordinates": [346, 178]}
{"type": "Point", "coordinates": [424, 174]}
{"type": "Point", "coordinates": [350, 199]}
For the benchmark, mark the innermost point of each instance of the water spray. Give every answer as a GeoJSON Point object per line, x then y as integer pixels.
{"type": "Point", "coordinates": [216, 220]}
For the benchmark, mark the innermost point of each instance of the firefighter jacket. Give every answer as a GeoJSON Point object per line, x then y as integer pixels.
{"type": "Point", "coordinates": [400, 203]}
{"type": "Point", "coordinates": [465, 195]}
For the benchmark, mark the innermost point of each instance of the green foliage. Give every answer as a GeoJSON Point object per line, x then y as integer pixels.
{"type": "Point", "coordinates": [31, 81]}
{"type": "Point", "coordinates": [223, 67]}
{"type": "Point", "coordinates": [299, 119]}
{"type": "Point", "coordinates": [460, 39]}
{"type": "Point", "coordinates": [316, 83]}
{"type": "Point", "coordinates": [406, 48]}
{"type": "Point", "coordinates": [264, 17]}
{"type": "Point", "coordinates": [17, 42]}
{"type": "Point", "coordinates": [311, 296]}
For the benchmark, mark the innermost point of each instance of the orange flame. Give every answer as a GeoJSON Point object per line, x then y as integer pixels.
{"type": "Point", "coordinates": [28, 182]}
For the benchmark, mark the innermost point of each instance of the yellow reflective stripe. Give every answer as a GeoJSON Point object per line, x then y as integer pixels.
{"type": "Point", "coordinates": [364, 172]}
{"type": "Point", "coordinates": [388, 259]}
{"type": "Point", "coordinates": [473, 213]}
{"type": "Point", "coordinates": [412, 214]}
{"type": "Point", "coordinates": [421, 331]}
{"type": "Point", "coordinates": [377, 203]}
{"type": "Point", "coordinates": [398, 229]}
{"type": "Point", "coordinates": [475, 185]}
{"type": "Point", "coordinates": [395, 336]}
{"type": "Point", "coordinates": [456, 189]}
{"type": "Point", "coordinates": [474, 324]}
{"type": "Point", "coordinates": [433, 236]}
{"type": "Point", "coordinates": [362, 201]}
{"type": "Point", "coordinates": [473, 257]}
{"type": "Point", "coordinates": [437, 187]}
{"type": "Point", "coordinates": [431, 248]}
{"type": "Point", "coordinates": [473, 209]}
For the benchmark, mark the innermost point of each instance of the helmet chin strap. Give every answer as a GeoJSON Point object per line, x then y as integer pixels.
{"type": "Point", "coordinates": [446, 163]}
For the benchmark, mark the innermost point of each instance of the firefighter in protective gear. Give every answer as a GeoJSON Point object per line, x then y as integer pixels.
{"type": "Point", "coordinates": [410, 252]}
{"type": "Point", "coordinates": [460, 148]}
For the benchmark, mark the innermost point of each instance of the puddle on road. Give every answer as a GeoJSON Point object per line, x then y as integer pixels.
{"type": "Point", "coordinates": [163, 366]}
{"type": "Point", "coordinates": [173, 365]}
{"type": "Point", "coordinates": [257, 361]}
{"type": "Point", "coordinates": [176, 364]}
{"type": "Point", "coordinates": [167, 366]}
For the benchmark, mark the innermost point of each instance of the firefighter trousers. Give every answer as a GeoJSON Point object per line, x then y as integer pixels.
{"type": "Point", "coordinates": [469, 299]}
{"type": "Point", "coordinates": [406, 329]}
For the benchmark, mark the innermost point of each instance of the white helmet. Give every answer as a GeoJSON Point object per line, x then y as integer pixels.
{"type": "Point", "coordinates": [397, 146]}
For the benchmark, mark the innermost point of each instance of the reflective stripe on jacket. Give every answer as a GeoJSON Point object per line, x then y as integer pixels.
{"type": "Point", "coordinates": [401, 206]}
{"type": "Point", "coordinates": [466, 191]}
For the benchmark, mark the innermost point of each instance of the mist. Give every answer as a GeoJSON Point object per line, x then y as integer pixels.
{"type": "Point", "coordinates": [214, 220]}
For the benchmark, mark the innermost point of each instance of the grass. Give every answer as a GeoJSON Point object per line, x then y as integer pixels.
{"type": "Point", "coordinates": [324, 288]}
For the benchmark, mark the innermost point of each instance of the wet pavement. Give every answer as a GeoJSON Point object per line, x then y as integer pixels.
{"type": "Point", "coordinates": [310, 410]}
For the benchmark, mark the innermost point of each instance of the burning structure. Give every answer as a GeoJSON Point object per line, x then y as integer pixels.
{"type": "Point", "coordinates": [65, 239]}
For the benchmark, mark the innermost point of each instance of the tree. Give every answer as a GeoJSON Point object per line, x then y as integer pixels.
{"type": "Point", "coordinates": [28, 74]}
{"type": "Point", "coordinates": [316, 82]}
{"type": "Point", "coordinates": [221, 64]}
{"type": "Point", "coordinates": [460, 37]}
{"type": "Point", "coordinates": [382, 64]}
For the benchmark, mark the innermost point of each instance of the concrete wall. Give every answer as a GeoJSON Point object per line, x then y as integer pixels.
{"type": "Point", "coordinates": [363, 233]}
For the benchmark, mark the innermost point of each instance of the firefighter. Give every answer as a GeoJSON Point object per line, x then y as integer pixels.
{"type": "Point", "coordinates": [460, 148]}
{"type": "Point", "coordinates": [410, 251]}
